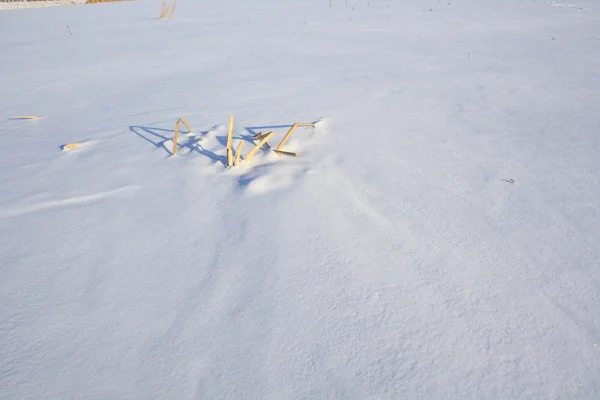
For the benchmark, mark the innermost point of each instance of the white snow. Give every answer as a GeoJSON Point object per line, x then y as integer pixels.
{"type": "Point", "coordinates": [394, 259]}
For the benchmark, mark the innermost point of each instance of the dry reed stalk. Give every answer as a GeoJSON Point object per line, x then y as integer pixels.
{"type": "Point", "coordinates": [228, 146]}
{"type": "Point", "coordinates": [167, 10]}
{"type": "Point", "coordinates": [176, 135]}
{"type": "Point", "coordinates": [259, 145]}
{"type": "Point", "coordinates": [292, 129]}
{"type": "Point", "coordinates": [238, 152]}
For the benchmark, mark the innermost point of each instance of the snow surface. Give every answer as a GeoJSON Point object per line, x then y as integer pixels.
{"type": "Point", "coordinates": [437, 238]}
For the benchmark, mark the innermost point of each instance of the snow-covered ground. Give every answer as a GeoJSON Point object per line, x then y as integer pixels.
{"type": "Point", "coordinates": [438, 237]}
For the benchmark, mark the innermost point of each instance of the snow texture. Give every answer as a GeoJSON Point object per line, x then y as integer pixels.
{"type": "Point", "coordinates": [437, 238]}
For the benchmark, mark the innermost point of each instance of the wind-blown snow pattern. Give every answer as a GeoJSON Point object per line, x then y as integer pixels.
{"type": "Point", "coordinates": [437, 238]}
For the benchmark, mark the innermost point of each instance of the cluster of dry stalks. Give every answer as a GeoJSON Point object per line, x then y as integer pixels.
{"type": "Point", "coordinates": [260, 140]}
{"type": "Point", "coordinates": [167, 9]}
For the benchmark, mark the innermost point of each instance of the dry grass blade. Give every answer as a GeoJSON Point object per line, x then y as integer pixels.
{"type": "Point", "coordinates": [167, 10]}
{"type": "Point", "coordinates": [173, 9]}
{"type": "Point", "coordinates": [164, 9]}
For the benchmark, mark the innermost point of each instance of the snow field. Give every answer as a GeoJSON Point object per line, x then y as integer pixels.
{"type": "Point", "coordinates": [437, 237]}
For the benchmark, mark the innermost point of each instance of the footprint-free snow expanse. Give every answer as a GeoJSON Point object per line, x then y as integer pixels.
{"type": "Point", "coordinates": [438, 237]}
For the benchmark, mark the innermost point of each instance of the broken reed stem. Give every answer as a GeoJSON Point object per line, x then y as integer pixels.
{"type": "Point", "coordinates": [259, 136]}
{"type": "Point", "coordinates": [173, 9]}
{"type": "Point", "coordinates": [292, 129]}
{"type": "Point", "coordinates": [70, 146]}
{"type": "Point", "coordinates": [229, 134]}
{"type": "Point", "coordinates": [25, 117]}
{"type": "Point", "coordinates": [287, 136]}
{"type": "Point", "coordinates": [174, 151]}
{"type": "Point", "coordinates": [163, 9]}
{"type": "Point", "coordinates": [179, 121]}
{"type": "Point", "coordinates": [259, 145]}
{"type": "Point", "coordinates": [186, 125]}
{"type": "Point", "coordinates": [286, 153]}
{"type": "Point", "coordinates": [70, 33]}
{"type": "Point", "coordinates": [238, 152]}
{"type": "Point", "coordinates": [166, 10]}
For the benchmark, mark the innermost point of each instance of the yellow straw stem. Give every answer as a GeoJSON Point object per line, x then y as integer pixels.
{"type": "Point", "coordinates": [259, 145]}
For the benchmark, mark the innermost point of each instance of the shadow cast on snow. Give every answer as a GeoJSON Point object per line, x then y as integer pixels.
{"type": "Point", "coordinates": [159, 136]}
{"type": "Point", "coordinates": [156, 136]}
